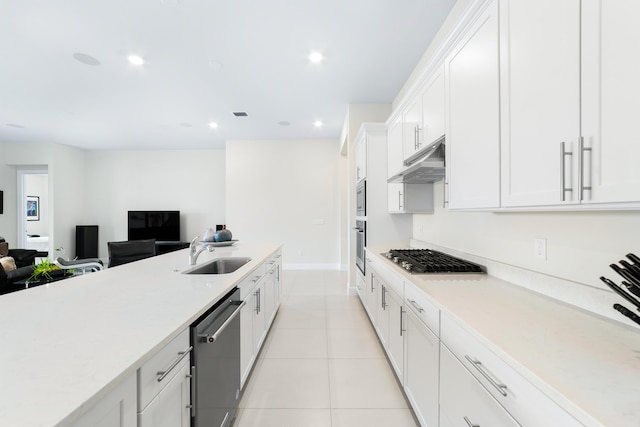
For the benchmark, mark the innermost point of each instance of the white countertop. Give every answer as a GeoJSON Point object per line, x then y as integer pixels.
{"type": "Point", "coordinates": [64, 345]}
{"type": "Point", "coordinates": [588, 364]}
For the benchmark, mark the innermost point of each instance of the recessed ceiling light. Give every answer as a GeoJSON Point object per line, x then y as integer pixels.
{"type": "Point", "coordinates": [318, 124]}
{"type": "Point", "coordinates": [240, 114]}
{"type": "Point", "coordinates": [316, 57]}
{"type": "Point", "coordinates": [85, 59]}
{"type": "Point", "coordinates": [135, 59]}
{"type": "Point", "coordinates": [213, 125]}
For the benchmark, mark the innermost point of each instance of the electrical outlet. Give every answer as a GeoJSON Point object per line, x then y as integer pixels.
{"type": "Point", "coordinates": [540, 248]}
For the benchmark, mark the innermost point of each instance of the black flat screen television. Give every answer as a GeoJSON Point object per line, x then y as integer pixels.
{"type": "Point", "coordinates": [164, 226]}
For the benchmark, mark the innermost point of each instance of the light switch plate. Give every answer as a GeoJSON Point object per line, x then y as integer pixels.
{"type": "Point", "coordinates": [540, 248]}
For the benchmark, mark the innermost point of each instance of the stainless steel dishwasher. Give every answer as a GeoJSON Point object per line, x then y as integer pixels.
{"type": "Point", "coordinates": [215, 386]}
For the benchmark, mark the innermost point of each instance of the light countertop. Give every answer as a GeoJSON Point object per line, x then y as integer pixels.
{"type": "Point", "coordinates": [587, 364]}
{"type": "Point", "coordinates": [66, 344]}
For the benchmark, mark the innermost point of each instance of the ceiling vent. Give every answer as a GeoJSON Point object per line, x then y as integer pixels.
{"type": "Point", "coordinates": [240, 114]}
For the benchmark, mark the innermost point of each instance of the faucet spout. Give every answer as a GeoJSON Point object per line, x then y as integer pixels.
{"type": "Point", "coordinates": [194, 252]}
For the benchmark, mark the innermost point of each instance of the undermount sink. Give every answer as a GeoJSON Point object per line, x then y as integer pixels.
{"type": "Point", "coordinates": [219, 266]}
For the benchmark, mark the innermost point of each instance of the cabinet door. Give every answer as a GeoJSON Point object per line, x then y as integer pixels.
{"type": "Point", "coordinates": [383, 314]}
{"type": "Point", "coordinates": [463, 401]}
{"type": "Point", "coordinates": [540, 95]}
{"type": "Point", "coordinates": [433, 107]}
{"type": "Point", "coordinates": [610, 100]}
{"type": "Point", "coordinates": [247, 354]}
{"type": "Point", "coordinates": [422, 370]}
{"type": "Point", "coordinates": [395, 197]}
{"type": "Point", "coordinates": [259, 316]}
{"type": "Point", "coordinates": [270, 297]}
{"type": "Point", "coordinates": [412, 126]}
{"type": "Point", "coordinates": [395, 342]}
{"type": "Point", "coordinates": [172, 406]}
{"type": "Point", "coordinates": [116, 409]}
{"type": "Point", "coordinates": [395, 155]}
{"type": "Point", "coordinates": [473, 119]}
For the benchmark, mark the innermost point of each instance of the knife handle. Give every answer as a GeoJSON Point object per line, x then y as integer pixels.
{"type": "Point", "coordinates": [625, 273]}
{"type": "Point", "coordinates": [631, 268]}
{"type": "Point", "coordinates": [634, 258]}
{"type": "Point", "coordinates": [626, 312]}
{"type": "Point", "coordinates": [633, 288]}
{"type": "Point", "coordinates": [621, 292]}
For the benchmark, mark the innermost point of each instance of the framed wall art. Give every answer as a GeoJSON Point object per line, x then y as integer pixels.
{"type": "Point", "coordinates": [33, 208]}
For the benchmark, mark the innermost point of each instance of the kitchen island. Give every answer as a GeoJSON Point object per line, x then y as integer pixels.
{"type": "Point", "coordinates": [67, 344]}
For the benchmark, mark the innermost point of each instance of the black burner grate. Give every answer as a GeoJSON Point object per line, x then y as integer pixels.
{"type": "Point", "coordinates": [429, 261]}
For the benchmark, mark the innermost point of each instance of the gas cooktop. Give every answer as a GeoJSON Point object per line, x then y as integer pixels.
{"type": "Point", "coordinates": [429, 261]}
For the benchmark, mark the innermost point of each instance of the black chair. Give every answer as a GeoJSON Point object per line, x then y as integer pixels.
{"type": "Point", "coordinates": [129, 251]}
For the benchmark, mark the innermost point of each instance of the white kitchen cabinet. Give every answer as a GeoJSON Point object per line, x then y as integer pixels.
{"type": "Point", "coordinates": [164, 385]}
{"type": "Point", "coordinates": [433, 108]}
{"type": "Point", "coordinates": [272, 290]}
{"type": "Point", "coordinates": [382, 316]}
{"type": "Point", "coordinates": [412, 126]}
{"type": "Point", "coordinates": [540, 101]}
{"type": "Point", "coordinates": [410, 198]}
{"type": "Point", "coordinates": [464, 402]}
{"type": "Point", "coordinates": [361, 159]}
{"type": "Point", "coordinates": [361, 288]}
{"type": "Point", "coordinates": [422, 370]}
{"type": "Point", "coordinates": [390, 326]}
{"type": "Point", "coordinates": [172, 406]}
{"type": "Point", "coordinates": [610, 101]}
{"type": "Point", "coordinates": [395, 156]}
{"type": "Point", "coordinates": [473, 116]}
{"type": "Point", "coordinates": [247, 355]}
{"type": "Point", "coordinates": [116, 409]}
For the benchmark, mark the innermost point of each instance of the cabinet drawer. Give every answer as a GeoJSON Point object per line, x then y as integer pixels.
{"type": "Point", "coordinates": [167, 360]}
{"type": "Point", "coordinates": [522, 399]}
{"type": "Point", "coordinates": [391, 279]}
{"type": "Point", "coordinates": [247, 285]}
{"type": "Point", "coordinates": [424, 309]}
{"type": "Point", "coordinates": [171, 407]}
{"type": "Point", "coordinates": [464, 402]}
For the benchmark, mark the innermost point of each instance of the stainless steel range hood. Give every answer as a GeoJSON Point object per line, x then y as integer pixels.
{"type": "Point", "coordinates": [426, 165]}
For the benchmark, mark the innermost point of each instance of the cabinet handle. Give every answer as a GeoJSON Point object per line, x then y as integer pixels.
{"type": "Point", "coordinates": [402, 329]}
{"type": "Point", "coordinates": [563, 154]}
{"type": "Point", "coordinates": [583, 150]}
{"type": "Point", "coordinates": [416, 137]}
{"type": "Point", "coordinates": [478, 365]}
{"type": "Point", "coordinates": [400, 204]}
{"type": "Point", "coordinates": [372, 288]}
{"type": "Point", "coordinates": [181, 355]}
{"type": "Point", "coordinates": [469, 423]}
{"type": "Point", "coordinates": [257, 295]}
{"type": "Point", "coordinates": [193, 391]}
{"type": "Point", "coordinates": [384, 299]}
{"type": "Point", "coordinates": [416, 306]}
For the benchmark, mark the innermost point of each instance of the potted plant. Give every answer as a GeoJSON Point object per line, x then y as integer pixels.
{"type": "Point", "coordinates": [45, 270]}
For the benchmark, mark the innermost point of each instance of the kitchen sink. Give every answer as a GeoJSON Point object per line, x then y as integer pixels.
{"type": "Point", "coordinates": [219, 266]}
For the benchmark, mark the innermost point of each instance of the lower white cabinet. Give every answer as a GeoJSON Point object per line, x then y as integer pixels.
{"type": "Point", "coordinates": [172, 406]}
{"type": "Point", "coordinates": [464, 402]}
{"type": "Point", "coordinates": [116, 409]}
{"type": "Point", "coordinates": [164, 386]}
{"type": "Point", "coordinates": [422, 375]}
{"type": "Point", "coordinates": [262, 291]}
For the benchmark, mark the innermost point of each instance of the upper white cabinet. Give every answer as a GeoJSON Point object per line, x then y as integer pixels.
{"type": "Point", "coordinates": [473, 116]}
{"type": "Point", "coordinates": [610, 101]}
{"type": "Point", "coordinates": [361, 160]}
{"type": "Point", "coordinates": [423, 117]}
{"type": "Point", "coordinates": [540, 89]}
{"type": "Point", "coordinates": [410, 198]}
{"type": "Point", "coordinates": [395, 156]}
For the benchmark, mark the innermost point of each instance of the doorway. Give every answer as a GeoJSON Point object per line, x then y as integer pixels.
{"type": "Point", "coordinates": [35, 221]}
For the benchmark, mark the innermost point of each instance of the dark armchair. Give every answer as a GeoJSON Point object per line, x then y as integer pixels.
{"type": "Point", "coordinates": [129, 251]}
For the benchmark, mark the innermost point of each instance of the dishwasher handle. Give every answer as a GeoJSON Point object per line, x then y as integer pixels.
{"type": "Point", "coordinates": [211, 338]}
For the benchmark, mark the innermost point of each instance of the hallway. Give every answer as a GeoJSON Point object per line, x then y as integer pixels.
{"type": "Point", "coordinates": [322, 364]}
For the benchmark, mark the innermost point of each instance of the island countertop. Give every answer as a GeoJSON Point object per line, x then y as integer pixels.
{"type": "Point", "coordinates": [66, 344]}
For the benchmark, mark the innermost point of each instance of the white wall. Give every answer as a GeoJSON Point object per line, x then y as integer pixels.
{"type": "Point", "coordinates": [275, 189]}
{"type": "Point", "coordinates": [191, 181]}
{"type": "Point", "coordinates": [580, 245]}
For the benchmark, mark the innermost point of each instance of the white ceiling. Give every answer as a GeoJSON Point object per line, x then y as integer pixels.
{"type": "Point", "coordinates": [204, 60]}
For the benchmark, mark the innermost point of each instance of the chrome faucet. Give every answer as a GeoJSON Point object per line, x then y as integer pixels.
{"type": "Point", "coordinates": [194, 252]}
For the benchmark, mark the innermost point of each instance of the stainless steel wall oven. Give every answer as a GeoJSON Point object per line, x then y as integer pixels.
{"type": "Point", "coordinates": [361, 242]}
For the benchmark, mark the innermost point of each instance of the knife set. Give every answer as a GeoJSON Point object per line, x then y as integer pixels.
{"type": "Point", "coordinates": [630, 289]}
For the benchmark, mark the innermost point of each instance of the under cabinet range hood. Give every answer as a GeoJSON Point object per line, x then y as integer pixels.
{"type": "Point", "coordinates": [426, 165]}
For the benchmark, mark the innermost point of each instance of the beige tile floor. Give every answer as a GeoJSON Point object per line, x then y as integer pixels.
{"type": "Point", "coordinates": [321, 364]}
